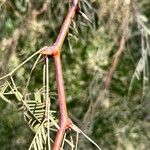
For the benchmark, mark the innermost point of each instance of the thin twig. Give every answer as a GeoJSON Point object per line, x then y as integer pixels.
{"type": "Point", "coordinates": [18, 67]}
{"type": "Point", "coordinates": [48, 102]}
{"type": "Point", "coordinates": [117, 56]}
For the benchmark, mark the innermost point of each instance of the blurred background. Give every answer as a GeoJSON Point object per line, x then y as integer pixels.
{"type": "Point", "coordinates": [117, 117]}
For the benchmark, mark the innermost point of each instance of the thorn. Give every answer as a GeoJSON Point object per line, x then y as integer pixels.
{"type": "Point", "coordinates": [84, 16]}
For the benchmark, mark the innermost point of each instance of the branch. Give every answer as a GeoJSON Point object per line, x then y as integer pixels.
{"type": "Point", "coordinates": [93, 107]}
{"type": "Point", "coordinates": [117, 56]}
{"type": "Point", "coordinates": [12, 41]}
{"type": "Point", "coordinates": [54, 51]}
{"type": "Point", "coordinates": [57, 46]}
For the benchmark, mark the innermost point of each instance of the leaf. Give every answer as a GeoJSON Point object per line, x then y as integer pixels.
{"type": "Point", "coordinates": [3, 88]}
{"type": "Point", "coordinates": [4, 98]}
{"type": "Point", "coordinates": [39, 140]}
{"type": "Point", "coordinates": [75, 128]}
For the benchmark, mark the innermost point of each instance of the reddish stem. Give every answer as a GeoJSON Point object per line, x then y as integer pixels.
{"type": "Point", "coordinates": [65, 26]}
{"type": "Point", "coordinates": [56, 48]}
{"type": "Point", "coordinates": [54, 51]}
{"type": "Point", "coordinates": [64, 119]}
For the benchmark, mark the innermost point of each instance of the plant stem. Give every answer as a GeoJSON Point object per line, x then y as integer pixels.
{"type": "Point", "coordinates": [64, 119]}
{"type": "Point", "coordinates": [57, 46]}
{"type": "Point", "coordinates": [65, 26]}
{"type": "Point", "coordinates": [54, 51]}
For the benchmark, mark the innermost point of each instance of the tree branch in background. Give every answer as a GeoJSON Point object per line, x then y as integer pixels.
{"type": "Point", "coordinates": [10, 49]}
{"type": "Point", "coordinates": [10, 46]}
{"type": "Point", "coordinates": [117, 55]}
{"type": "Point", "coordinates": [94, 105]}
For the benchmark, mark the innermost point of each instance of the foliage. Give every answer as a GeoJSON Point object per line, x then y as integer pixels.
{"type": "Point", "coordinates": [123, 113]}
